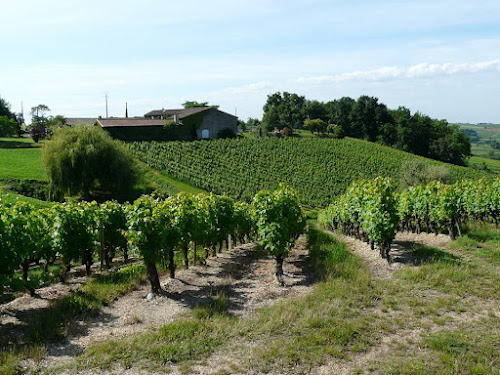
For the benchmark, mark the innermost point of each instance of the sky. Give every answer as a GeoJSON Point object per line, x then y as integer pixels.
{"type": "Point", "coordinates": [441, 58]}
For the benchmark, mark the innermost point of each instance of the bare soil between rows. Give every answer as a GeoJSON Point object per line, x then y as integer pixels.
{"type": "Point", "coordinates": [243, 274]}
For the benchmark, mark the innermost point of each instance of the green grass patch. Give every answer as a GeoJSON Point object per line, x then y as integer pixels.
{"type": "Point", "coordinates": [427, 255]}
{"type": "Point", "coordinates": [21, 163]}
{"type": "Point", "coordinates": [10, 197]}
{"type": "Point", "coordinates": [213, 306]}
{"type": "Point", "coordinates": [481, 241]}
{"type": "Point", "coordinates": [173, 343]}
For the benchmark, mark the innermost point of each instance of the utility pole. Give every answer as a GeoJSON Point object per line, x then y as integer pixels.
{"type": "Point", "coordinates": [106, 96]}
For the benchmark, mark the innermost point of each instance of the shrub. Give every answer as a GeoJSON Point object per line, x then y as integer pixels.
{"type": "Point", "coordinates": [226, 133]}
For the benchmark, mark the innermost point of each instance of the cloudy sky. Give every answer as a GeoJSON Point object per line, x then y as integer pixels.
{"type": "Point", "coordinates": [439, 57]}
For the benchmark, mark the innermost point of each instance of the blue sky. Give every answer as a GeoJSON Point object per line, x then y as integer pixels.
{"type": "Point", "coordinates": [439, 57]}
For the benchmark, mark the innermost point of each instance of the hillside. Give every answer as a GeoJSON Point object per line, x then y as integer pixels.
{"type": "Point", "coordinates": [484, 135]}
{"type": "Point", "coordinates": [21, 161]}
{"type": "Point", "coordinates": [317, 168]}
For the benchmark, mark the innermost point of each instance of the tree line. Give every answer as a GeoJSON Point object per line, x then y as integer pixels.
{"type": "Point", "coordinates": [367, 118]}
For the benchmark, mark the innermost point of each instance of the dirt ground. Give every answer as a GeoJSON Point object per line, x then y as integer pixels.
{"type": "Point", "coordinates": [244, 275]}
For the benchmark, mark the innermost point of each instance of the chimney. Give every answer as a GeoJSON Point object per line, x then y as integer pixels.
{"type": "Point", "coordinates": [176, 118]}
{"type": "Point", "coordinates": [126, 109]}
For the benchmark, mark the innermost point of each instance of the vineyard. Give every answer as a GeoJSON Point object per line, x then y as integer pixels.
{"type": "Point", "coordinates": [373, 211]}
{"type": "Point", "coordinates": [318, 169]}
{"type": "Point", "coordinates": [155, 228]}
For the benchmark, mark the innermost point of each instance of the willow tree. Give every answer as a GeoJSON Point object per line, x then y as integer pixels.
{"type": "Point", "coordinates": [84, 161]}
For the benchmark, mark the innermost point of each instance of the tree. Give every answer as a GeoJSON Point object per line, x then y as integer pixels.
{"type": "Point", "coordinates": [84, 161]}
{"type": "Point", "coordinates": [315, 109]}
{"type": "Point", "coordinates": [39, 121]}
{"type": "Point", "coordinates": [8, 127]}
{"type": "Point", "coordinates": [315, 125]}
{"type": "Point", "coordinates": [195, 104]}
{"type": "Point", "coordinates": [335, 130]}
{"type": "Point", "coordinates": [57, 122]}
{"type": "Point", "coordinates": [252, 123]}
{"type": "Point", "coordinates": [5, 109]}
{"type": "Point", "coordinates": [284, 110]}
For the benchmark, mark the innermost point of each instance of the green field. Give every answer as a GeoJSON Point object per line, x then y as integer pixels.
{"type": "Point", "coordinates": [486, 133]}
{"type": "Point", "coordinates": [317, 168]}
{"type": "Point", "coordinates": [481, 162]}
{"type": "Point", "coordinates": [21, 163]}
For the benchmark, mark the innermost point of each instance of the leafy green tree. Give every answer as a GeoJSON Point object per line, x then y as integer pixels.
{"type": "Point", "coordinates": [39, 121]}
{"type": "Point", "coordinates": [8, 127]}
{"type": "Point", "coordinates": [84, 161]}
{"type": "Point", "coordinates": [57, 122]}
{"type": "Point", "coordinates": [340, 112]}
{"type": "Point", "coordinates": [335, 130]}
{"type": "Point", "coordinates": [315, 125]}
{"type": "Point", "coordinates": [315, 110]}
{"type": "Point", "coordinates": [252, 123]}
{"type": "Point", "coordinates": [284, 110]}
{"type": "Point", "coordinates": [5, 109]}
{"type": "Point", "coordinates": [195, 104]}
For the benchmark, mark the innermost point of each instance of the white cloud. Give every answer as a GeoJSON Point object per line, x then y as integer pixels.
{"type": "Point", "coordinates": [422, 70]}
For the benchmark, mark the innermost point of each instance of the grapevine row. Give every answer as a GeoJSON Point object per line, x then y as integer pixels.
{"type": "Point", "coordinates": [152, 227]}
{"type": "Point", "coordinates": [319, 169]}
{"type": "Point", "coordinates": [373, 211]}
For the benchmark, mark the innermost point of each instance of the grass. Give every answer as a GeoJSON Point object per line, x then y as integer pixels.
{"type": "Point", "coordinates": [481, 162]}
{"type": "Point", "coordinates": [157, 180]}
{"type": "Point", "coordinates": [10, 197]}
{"type": "Point", "coordinates": [18, 143]}
{"type": "Point", "coordinates": [21, 163]}
{"type": "Point", "coordinates": [54, 322]}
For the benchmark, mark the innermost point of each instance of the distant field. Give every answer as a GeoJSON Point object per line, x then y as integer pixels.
{"type": "Point", "coordinates": [492, 165]}
{"type": "Point", "coordinates": [486, 133]}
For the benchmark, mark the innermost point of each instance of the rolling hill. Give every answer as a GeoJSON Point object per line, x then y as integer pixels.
{"type": "Point", "coordinates": [317, 168]}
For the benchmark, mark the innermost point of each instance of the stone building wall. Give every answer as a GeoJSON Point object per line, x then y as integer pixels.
{"type": "Point", "coordinates": [214, 121]}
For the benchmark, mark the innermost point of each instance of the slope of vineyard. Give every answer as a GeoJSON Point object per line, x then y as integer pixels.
{"type": "Point", "coordinates": [318, 169]}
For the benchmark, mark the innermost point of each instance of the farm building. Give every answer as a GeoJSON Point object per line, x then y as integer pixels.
{"type": "Point", "coordinates": [185, 124]}
{"type": "Point", "coordinates": [200, 122]}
